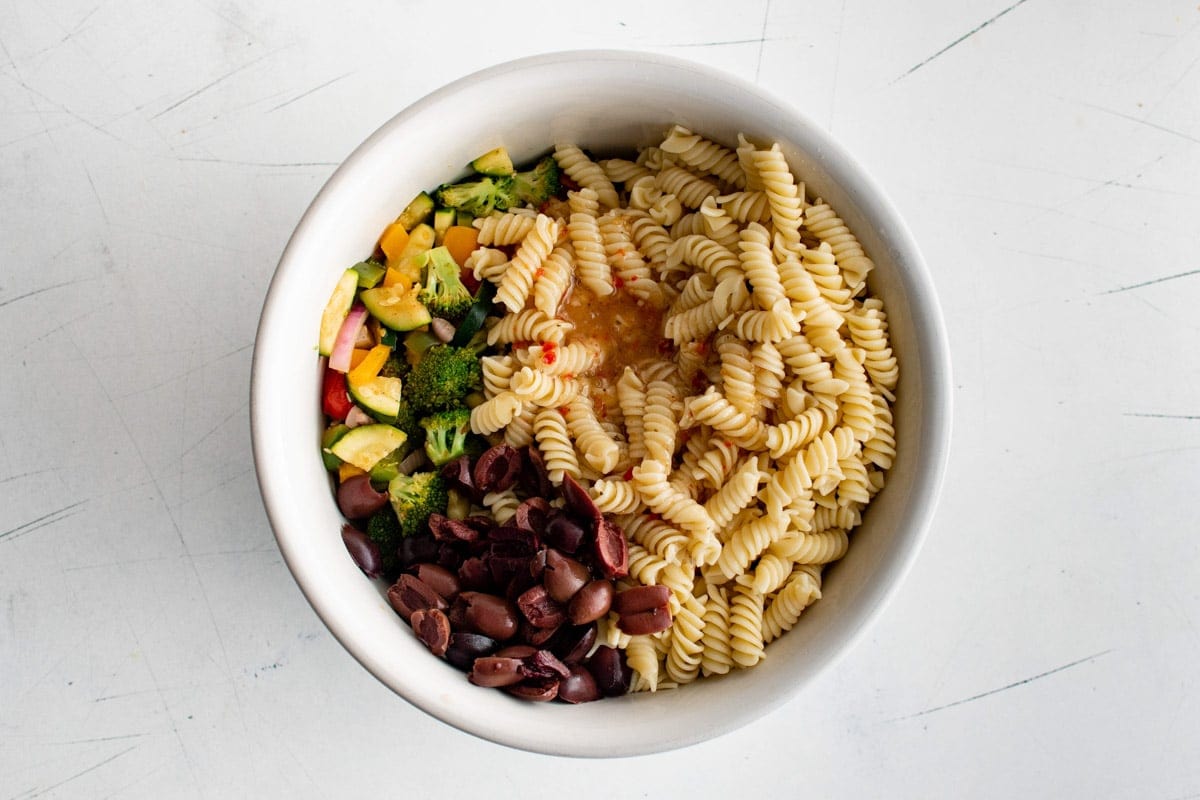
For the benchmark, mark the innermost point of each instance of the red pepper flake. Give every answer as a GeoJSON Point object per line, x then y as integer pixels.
{"type": "Point", "coordinates": [564, 410]}
{"type": "Point", "coordinates": [539, 272]}
{"type": "Point", "coordinates": [549, 356]}
{"type": "Point", "coordinates": [665, 347]}
{"type": "Point", "coordinates": [628, 474]}
{"type": "Point", "coordinates": [521, 344]}
{"type": "Point", "coordinates": [617, 282]}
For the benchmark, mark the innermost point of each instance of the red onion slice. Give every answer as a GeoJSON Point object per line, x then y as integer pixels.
{"type": "Point", "coordinates": [343, 345]}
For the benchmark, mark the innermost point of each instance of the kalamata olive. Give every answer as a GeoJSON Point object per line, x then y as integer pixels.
{"type": "Point", "coordinates": [440, 579]}
{"type": "Point", "coordinates": [564, 576]}
{"type": "Point", "coordinates": [574, 642]}
{"type": "Point", "coordinates": [591, 602]}
{"type": "Point", "coordinates": [533, 514]}
{"type": "Point", "coordinates": [490, 615]}
{"type": "Point", "coordinates": [474, 574]}
{"type": "Point", "coordinates": [417, 550]}
{"type": "Point", "coordinates": [411, 594]}
{"type": "Point", "coordinates": [433, 628]}
{"type": "Point", "coordinates": [450, 556]}
{"type": "Point", "coordinates": [495, 671]}
{"type": "Point", "coordinates": [540, 608]}
{"type": "Point", "coordinates": [579, 501]}
{"type": "Point", "coordinates": [445, 529]}
{"type": "Point", "coordinates": [608, 667]}
{"type": "Point", "coordinates": [544, 664]}
{"type": "Point", "coordinates": [509, 540]}
{"type": "Point", "coordinates": [497, 469]}
{"type": "Point", "coordinates": [612, 550]}
{"type": "Point", "coordinates": [464, 648]}
{"type": "Point", "coordinates": [537, 564]}
{"type": "Point", "coordinates": [357, 498]}
{"type": "Point", "coordinates": [519, 583]}
{"type": "Point", "coordinates": [535, 480]}
{"type": "Point", "coordinates": [578, 687]}
{"type": "Point", "coordinates": [365, 552]}
{"type": "Point", "coordinates": [538, 690]}
{"type": "Point", "coordinates": [504, 568]}
{"type": "Point", "coordinates": [532, 635]}
{"type": "Point", "coordinates": [565, 534]}
{"type": "Point", "coordinates": [516, 651]}
{"type": "Point", "coordinates": [458, 474]}
{"type": "Point", "coordinates": [641, 598]}
{"type": "Point", "coordinates": [642, 622]}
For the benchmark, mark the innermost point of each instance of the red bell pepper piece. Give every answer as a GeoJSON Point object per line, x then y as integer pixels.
{"type": "Point", "coordinates": [335, 400]}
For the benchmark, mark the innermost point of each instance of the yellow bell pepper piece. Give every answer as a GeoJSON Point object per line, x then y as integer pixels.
{"type": "Point", "coordinates": [393, 241]}
{"type": "Point", "coordinates": [346, 470]}
{"type": "Point", "coordinates": [371, 364]}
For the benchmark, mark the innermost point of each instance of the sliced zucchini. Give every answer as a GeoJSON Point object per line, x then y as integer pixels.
{"type": "Point", "coordinates": [379, 396]}
{"type": "Point", "coordinates": [416, 212]}
{"type": "Point", "coordinates": [388, 467]}
{"type": "Point", "coordinates": [336, 310]}
{"type": "Point", "coordinates": [397, 307]}
{"type": "Point", "coordinates": [328, 439]}
{"type": "Point", "coordinates": [443, 218]}
{"type": "Point", "coordinates": [369, 273]}
{"type": "Point", "coordinates": [463, 218]}
{"type": "Point", "coordinates": [365, 445]}
{"type": "Point", "coordinates": [494, 162]}
{"type": "Point", "coordinates": [417, 343]}
{"type": "Point", "coordinates": [411, 259]}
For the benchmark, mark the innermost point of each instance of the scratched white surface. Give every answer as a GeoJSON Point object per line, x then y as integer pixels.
{"type": "Point", "coordinates": [154, 157]}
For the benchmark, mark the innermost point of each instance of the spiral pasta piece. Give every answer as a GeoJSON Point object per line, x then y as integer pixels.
{"type": "Point", "coordinates": [858, 408]}
{"type": "Point", "coordinates": [659, 425]}
{"type": "Point", "coordinates": [700, 252]}
{"type": "Point", "coordinates": [626, 262]}
{"type": "Point", "coordinates": [783, 194]}
{"type": "Point", "coordinates": [797, 432]}
{"type": "Point", "coordinates": [492, 415]}
{"type": "Point", "coordinates": [497, 372]}
{"type": "Point", "coordinates": [598, 450]}
{"type": "Point", "coordinates": [502, 505]}
{"type": "Point", "coordinates": [768, 373]}
{"type": "Point", "coordinates": [573, 359]}
{"type": "Point", "coordinates": [487, 264]}
{"type": "Point", "coordinates": [614, 496]}
{"type": "Point", "coordinates": [801, 591]}
{"type": "Point", "coordinates": [745, 152]}
{"type": "Point", "coordinates": [684, 643]}
{"type": "Point", "coordinates": [769, 325]}
{"type": "Point", "coordinates": [745, 626]}
{"type": "Point", "coordinates": [690, 189]}
{"type": "Point", "coordinates": [716, 464]}
{"type": "Point", "coordinates": [736, 494]}
{"type": "Point", "coordinates": [823, 267]}
{"type": "Point", "coordinates": [711, 408]}
{"type": "Point", "coordinates": [813, 548]}
{"type": "Point", "coordinates": [651, 238]}
{"type": "Point", "coordinates": [530, 325]}
{"type": "Point", "coordinates": [844, 517]}
{"type": "Point", "coordinates": [821, 321]}
{"type": "Point", "coordinates": [759, 266]}
{"type": "Point", "coordinates": [717, 656]}
{"type": "Point", "coordinates": [868, 331]}
{"type": "Point", "coordinates": [880, 448]}
{"type": "Point", "coordinates": [718, 225]}
{"type": "Point", "coordinates": [743, 207]}
{"type": "Point", "coordinates": [518, 277]}
{"type": "Point", "coordinates": [650, 480]}
{"type": "Point", "coordinates": [729, 297]}
{"type": "Point", "coordinates": [620, 170]}
{"type": "Point", "coordinates": [519, 431]}
{"type": "Point", "coordinates": [500, 228]}
{"type": "Point", "coordinates": [539, 389]}
{"type": "Point", "coordinates": [803, 360]}
{"type": "Point", "coordinates": [550, 432]}
{"type": "Point", "coordinates": [553, 279]}
{"type": "Point", "coordinates": [687, 225]}
{"type": "Point", "coordinates": [827, 226]}
{"type": "Point", "coordinates": [747, 542]}
{"type": "Point", "coordinates": [701, 154]}
{"type": "Point", "coordinates": [586, 173]}
{"type": "Point", "coordinates": [770, 573]}
{"type": "Point", "coordinates": [656, 536]}
{"type": "Point", "coordinates": [583, 228]}
{"type": "Point", "coordinates": [631, 396]}
{"type": "Point", "coordinates": [642, 657]}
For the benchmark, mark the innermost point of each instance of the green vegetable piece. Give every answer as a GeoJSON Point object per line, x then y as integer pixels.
{"type": "Point", "coordinates": [446, 434]}
{"type": "Point", "coordinates": [328, 439]}
{"type": "Point", "coordinates": [397, 307]}
{"type": "Point", "coordinates": [445, 376]}
{"type": "Point", "coordinates": [384, 529]}
{"type": "Point", "coordinates": [472, 322]}
{"type": "Point", "coordinates": [443, 218]}
{"type": "Point", "coordinates": [416, 212]}
{"type": "Point", "coordinates": [494, 162]}
{"type": "Point", "coordinates": [414, 497]}
{"type": "Point", "coordinates": [369, 273]}
{"type": "Point", "coordinates": [444, 293]}
{"type": "Point", "coordinates": [478, 198]}
{"type": "Point", "coordinates": [537, 185]}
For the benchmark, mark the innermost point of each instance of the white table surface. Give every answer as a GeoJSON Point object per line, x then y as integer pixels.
{"type": "Point", "coordinates": [153, 160]}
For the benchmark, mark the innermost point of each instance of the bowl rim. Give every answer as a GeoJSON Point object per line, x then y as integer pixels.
{"type": "Point", "coordinates": [931, 342]}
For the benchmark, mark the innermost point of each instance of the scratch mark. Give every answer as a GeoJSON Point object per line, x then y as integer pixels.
{"type": "Point", "coordinates": [1152, 282]}
{"type": "Point", "coordinates": [39, 291]}
{"type": "Point", "coordinates": [81, 773]}
{"type": "Point", "coordinates": [211, 84]}
{"type": "Point", "coordinates": [1161, 416]}
{"type": "Point", "coordinates": [40, 522]}
{"type": "Point", "coordinates": [310, 91]}
{"type": "Point", "coordinates": [762, 41]}
{"type": "Point", "coordinates": [1141, 121]}
{"type": "Point", "coordinates": [103, 738]}
{"type": "Point", "coordinates": [722, 43]}
{"type": "Point", "coordinates": [1013, 685]}
{"type": "Point", "coordinates": [960, 39]}
{"type": "Point", "coordinates": [95, 193]}
{"type": "Point", "coordinates": [79, 25]}
{"type": "Point", "coordinates": [259, 163]}
{"type": "Point", "coordinates": [25, 475]}
{"type": "Point", "coordinates": [213, 430]}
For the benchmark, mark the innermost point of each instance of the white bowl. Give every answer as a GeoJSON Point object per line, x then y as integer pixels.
{"type": "Point", "coordinates": [605, 101]}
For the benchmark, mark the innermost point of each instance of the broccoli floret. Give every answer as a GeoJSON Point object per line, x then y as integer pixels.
{"type": "Point", "coordinates": [396, 366]}
{"type": "Point", "coordinates": [444, 293]}
{"type": "Point", "coordinates": [414, 497]}
{"type": "Point", "coordinates": [384, 529]}
{"type": "Point", "coordinates": [444, 377]}
{"type": "Point", "coordinates": [478, 198]}
{"type": "Point", "coordinates": [446, 434]}
{"type": "Point", "coordinates": [407, 421]}
{"type": "Point", "coordinates": [537, 185]}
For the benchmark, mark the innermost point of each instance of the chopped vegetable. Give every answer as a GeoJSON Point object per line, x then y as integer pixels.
{"type": "Point", "coordinates": [336, 310]}
{"type": "Point", "coordinates": [494, 162]}
{"type": "Point", "coordinates": [446, 434]}
{"type": "Point", "coordinates": [444, 377]}
{"type": "Point", "coordinates": [365, 445]}
{"type": "Point", "coordinates": [371, 363]}
{"type": "Point", "coordinates": [416, 212]}
{"type": "Point", "coordinates": [461, 241]}
{"type": "Point", "coordinates": [444, 294]}
{"type": "Point", "coordinates": [343, 344]}
{"type": "Point", "coordinates": [414, 497]}
{"type": "Point", "coordinates": [393, 241]}
{"type": "Point", "coordinates": [397, 307]}
{"type": "Point", "coordinates": [335, 400]}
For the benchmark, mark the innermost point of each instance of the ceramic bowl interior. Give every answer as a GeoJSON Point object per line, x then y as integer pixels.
{"type": "Point", "coordinates": [608, 102]}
